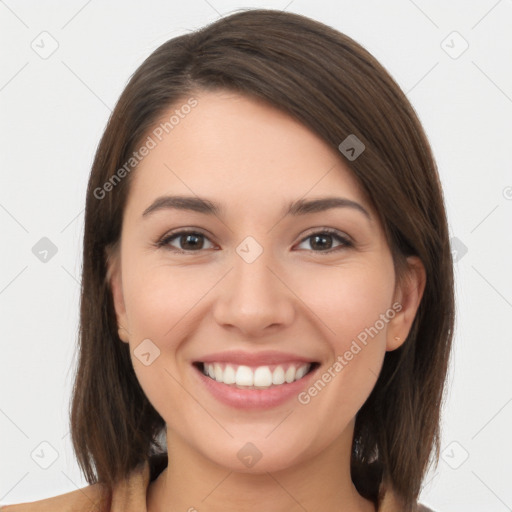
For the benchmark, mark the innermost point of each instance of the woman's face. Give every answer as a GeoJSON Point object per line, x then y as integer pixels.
{"type": "Point", "coordinates": [259, 294]}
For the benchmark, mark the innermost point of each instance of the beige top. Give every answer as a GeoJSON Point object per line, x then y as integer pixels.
{"type": "Point", "coordinates": [130, 496]}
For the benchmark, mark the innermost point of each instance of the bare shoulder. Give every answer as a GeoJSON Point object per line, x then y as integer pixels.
{"type": "Point", "coordinates": [87, 499]}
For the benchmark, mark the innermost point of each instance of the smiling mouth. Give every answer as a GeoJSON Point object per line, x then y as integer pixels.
{"type": "Point", "coordinates": [260, 377]}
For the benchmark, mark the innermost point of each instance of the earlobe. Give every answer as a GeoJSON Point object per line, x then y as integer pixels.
{"type": "Point", "coordinates": [408, 294]}
{"type": "Point", "coordinates": [113, 278]}
{"type": "Point", "coordinates": [123, 334]}
{"type": "Point", "coordinates": [396, 342]}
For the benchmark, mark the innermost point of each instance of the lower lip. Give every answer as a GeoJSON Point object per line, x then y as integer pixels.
{"type": "Point", "coordinates": [254, 398]}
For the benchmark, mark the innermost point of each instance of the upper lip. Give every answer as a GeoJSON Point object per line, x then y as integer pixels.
{"type": "Point", "coordinates": [240, 357]}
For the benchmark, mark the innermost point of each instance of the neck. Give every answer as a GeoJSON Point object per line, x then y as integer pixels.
{"type": "Point", "coordinates": [193, 483]}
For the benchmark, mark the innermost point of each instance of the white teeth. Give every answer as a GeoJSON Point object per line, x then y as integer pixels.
{"type": "Point", "coordinates": [217, 371]}
{"type": "Point", "coordinates": [229, 376]}
{"type": "Point", "coordinates": [300, 372]}
{"type": "Point", "coordinates": [278, 376]}
{"type": "Point", "coordinates": [261, 377]}
{"type": "Point", "coordinates": [289, 376]}
{"type": "Point", "coordinates": [244, 376]}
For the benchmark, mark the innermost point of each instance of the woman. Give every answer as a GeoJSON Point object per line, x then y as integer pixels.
{"type": "Point", "coordinates": [267, 282]}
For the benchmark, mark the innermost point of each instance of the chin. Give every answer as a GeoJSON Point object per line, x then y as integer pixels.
{"type": "Point", "coordinates": [257, 456]}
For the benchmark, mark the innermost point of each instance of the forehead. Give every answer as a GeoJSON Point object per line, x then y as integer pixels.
{"type": "Point", "coordinates": [241, 149]}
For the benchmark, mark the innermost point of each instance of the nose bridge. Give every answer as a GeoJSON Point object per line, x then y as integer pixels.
{"type": "Point", "coordinates": [252, 275]}
{"type": "Point", "coordinates": [253, 297]}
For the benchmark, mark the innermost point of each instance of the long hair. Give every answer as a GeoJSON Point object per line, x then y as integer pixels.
{"type": "Point", "coordinates": [336, 88]}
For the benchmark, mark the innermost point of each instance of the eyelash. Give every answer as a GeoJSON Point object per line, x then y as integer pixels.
{"type": "Point", "coordinates": [166, 239]}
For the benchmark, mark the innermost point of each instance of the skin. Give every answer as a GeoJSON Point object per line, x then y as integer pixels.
{"type": "Point", "coordinates": [295, 297]}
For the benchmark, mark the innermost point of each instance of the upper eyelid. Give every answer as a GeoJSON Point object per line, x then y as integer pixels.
{"type": "Point", "coordinates": [313, 231]}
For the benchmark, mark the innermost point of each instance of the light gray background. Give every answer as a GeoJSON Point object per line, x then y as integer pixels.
{"type": "Point", "coordinates": [53, 111]}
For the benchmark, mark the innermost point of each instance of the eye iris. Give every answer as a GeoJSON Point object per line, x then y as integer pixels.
{"type": "Point", "coordinates": [188, 237]}
{"type": "Point", "coordinates": [316, 238]}
{"type": "Point", "coordinates": [195, 241]}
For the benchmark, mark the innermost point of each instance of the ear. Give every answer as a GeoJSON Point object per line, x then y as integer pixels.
{"type": "Point", "coordinates": [114, 281]}
{"type": "Point", "coordinates": [408, 294]}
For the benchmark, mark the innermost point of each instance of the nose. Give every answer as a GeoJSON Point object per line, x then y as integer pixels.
{"type": "Point", "coordinates": [253, 298]}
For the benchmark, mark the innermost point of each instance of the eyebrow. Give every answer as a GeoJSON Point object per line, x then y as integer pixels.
{"type": "Point", "coordinates": [295, 208]}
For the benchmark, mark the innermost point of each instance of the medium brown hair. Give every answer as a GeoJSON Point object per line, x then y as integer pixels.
{"type": "Point", "coordinates": [335, 87]}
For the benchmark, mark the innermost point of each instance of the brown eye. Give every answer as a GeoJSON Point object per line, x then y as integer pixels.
{"type": "Point", "coordinates": [322, 241]}
{"type": "Point", "coordinates": [187, 241]}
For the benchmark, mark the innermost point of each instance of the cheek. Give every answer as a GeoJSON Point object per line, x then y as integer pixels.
{"type": "Point", "coordinates": [350, 301]}
{"type": "Point", "coordinates": [159, 298]}
{"type": "Point", "coordinates": [345, 302]}
{"type": "Point", "coordinates": [340, 306]}
{"type": "Point", "coordinates": [354, 307]}
{"type": "Point", "coordinates": [162, 305]}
